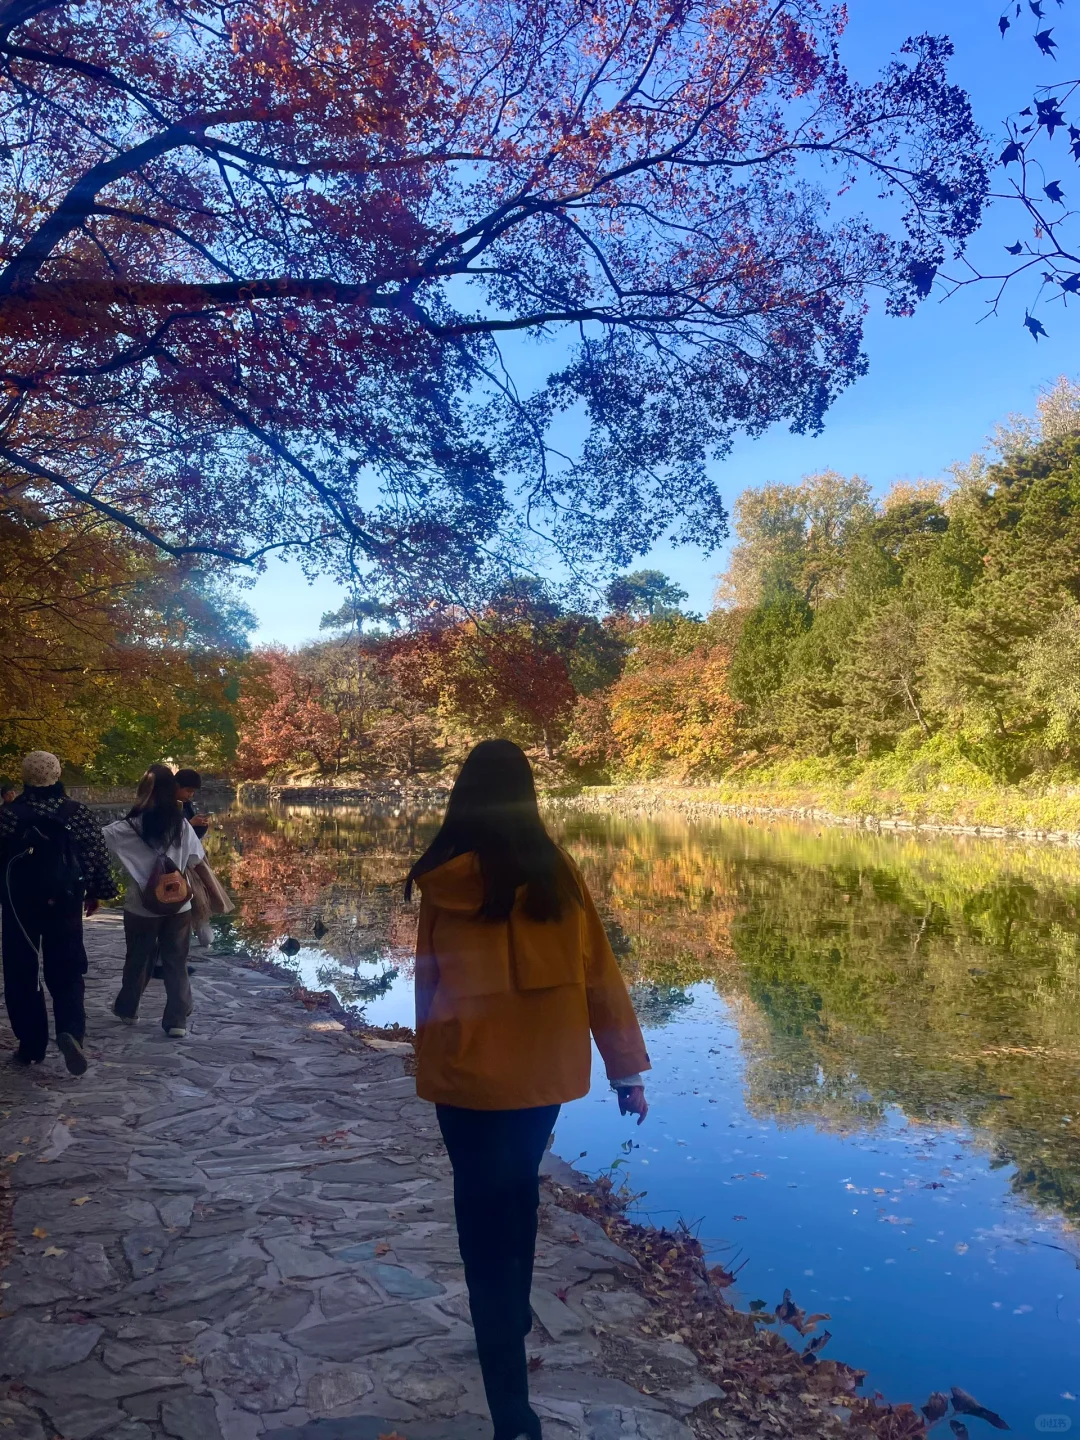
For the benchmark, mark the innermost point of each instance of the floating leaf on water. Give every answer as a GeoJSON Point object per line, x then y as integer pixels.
{"type": "Point", "coordinates": [289, 946]}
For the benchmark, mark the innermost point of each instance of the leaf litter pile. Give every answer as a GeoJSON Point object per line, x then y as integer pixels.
{"type": "Point", "coordinates": [771, 1387]}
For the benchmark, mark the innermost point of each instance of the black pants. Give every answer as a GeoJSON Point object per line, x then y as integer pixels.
{"type": "Point", "coordinates": [496, 1157]}
{"type": "Point", "coordinates": [151, 940]}
{"type": "Point", "coordinates": [59, 940]}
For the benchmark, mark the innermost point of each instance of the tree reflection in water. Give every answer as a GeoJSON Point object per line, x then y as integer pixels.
{"type": "Point", "coordinates": [863, 971]}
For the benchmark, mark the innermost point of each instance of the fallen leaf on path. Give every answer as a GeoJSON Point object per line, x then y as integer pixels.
{"type": "Point", "coordinates": [382, 1248]}
{"type": "Point", "coordinates": [13, 1157]}
{"type": "Point", "coordinates": [965, 1404]}
{"type": "Point", "coordinates": [81, 1200]}
{"type": "Point", "coordinates": [188, 1360]}
{"type": "Point", "coordinates": [53, 1251]}
{"type": "Point", "coordinates": [38, 1233]}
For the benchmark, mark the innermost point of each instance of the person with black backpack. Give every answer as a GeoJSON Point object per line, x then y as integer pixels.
{"type": "Point", "coordinates": [53, 867]}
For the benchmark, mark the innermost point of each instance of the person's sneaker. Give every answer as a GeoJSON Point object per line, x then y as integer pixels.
{"type": "Point", "coordinates": [125, 1019]}
{"type": "Point", "coordinates": [72, 1052]}
{"type": "Point", "coordinates": [177, 1032]}
{"type": "Point", "coordinates": [21, 1058]}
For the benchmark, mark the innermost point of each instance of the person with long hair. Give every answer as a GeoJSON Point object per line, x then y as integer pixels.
{"type": "Point", "coordinates": [514, 972]}
{"type": "Point", "coordinates": [155, 841]}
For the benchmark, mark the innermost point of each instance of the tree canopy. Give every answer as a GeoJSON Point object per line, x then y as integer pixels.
{"type": "Point", "coordinates": [257, 274]}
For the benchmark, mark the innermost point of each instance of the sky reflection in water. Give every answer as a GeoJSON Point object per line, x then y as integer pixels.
{"type": "Point", "coordinates": [868, 1098]}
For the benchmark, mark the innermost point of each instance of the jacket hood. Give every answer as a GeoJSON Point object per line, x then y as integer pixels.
{"type": "Point", "coordinates": [457, 885]}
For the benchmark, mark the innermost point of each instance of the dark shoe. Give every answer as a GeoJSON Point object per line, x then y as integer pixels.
{"type": "Point", "coordinates": [523, 1427]}
{"type": "Point", "coordinates": [21, 1057]}
{"type": "Point", "coordinates": [191, 969]}
{"type": "Point", "coordinates": [72, 1051]}
{"type": "Point", "coordinates": [127, 1019]}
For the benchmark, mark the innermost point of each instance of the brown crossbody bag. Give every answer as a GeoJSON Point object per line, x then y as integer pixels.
{"type": "Point", "coordinates": [167, 889]}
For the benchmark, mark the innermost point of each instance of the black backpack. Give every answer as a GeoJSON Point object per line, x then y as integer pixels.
{"type": "Point", "coordinates": [42, 864]}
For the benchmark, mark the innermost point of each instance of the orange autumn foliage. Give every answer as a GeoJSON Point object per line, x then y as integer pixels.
{"type": "Point", "coordinates": [670, 712]}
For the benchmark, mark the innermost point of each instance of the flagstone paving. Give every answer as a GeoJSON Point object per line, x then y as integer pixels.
{"type": "Point", "coordinates": [250, 1231]}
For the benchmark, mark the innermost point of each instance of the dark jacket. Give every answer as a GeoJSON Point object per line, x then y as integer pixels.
{"type": "Point", "coordinates": [85, 831]}
{"type": "Point", "coordinates": [190, 811]}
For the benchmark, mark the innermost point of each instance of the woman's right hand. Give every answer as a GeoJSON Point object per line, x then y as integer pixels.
{"type": "Point", "coordinates": [632, 1102]}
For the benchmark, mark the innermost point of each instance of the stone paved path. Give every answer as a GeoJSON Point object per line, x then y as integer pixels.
{"type": "Point", "coordinates": [250, 1232]}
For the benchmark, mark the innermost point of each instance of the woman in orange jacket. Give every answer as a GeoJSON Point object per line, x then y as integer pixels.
{"type": "Point", "coordinates": [513, 973]}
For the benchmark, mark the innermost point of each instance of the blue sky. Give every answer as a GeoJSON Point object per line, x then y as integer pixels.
{"type": "Point", "coordinates": [938, 382]}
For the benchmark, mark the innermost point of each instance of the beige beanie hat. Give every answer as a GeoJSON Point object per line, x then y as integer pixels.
{"type": "Point", "coordinates": [40, 768]}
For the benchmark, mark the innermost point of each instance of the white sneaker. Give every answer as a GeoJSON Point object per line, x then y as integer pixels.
{"type": "Point", "coordinates": [177, 1032]}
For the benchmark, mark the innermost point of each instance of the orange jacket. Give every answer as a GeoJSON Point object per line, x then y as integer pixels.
{"type": "Point", "coordinates": [504, 1010]}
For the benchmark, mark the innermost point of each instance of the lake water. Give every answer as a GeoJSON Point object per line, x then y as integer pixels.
{"type": "Point", "coordinates": [866, 1053]}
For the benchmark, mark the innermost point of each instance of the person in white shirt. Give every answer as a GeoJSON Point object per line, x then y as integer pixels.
{"type": "Point", "coordinates": [152, 834]}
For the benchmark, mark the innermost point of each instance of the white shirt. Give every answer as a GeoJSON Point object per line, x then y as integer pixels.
{"type": "Point", "coordinates": [139, 857]}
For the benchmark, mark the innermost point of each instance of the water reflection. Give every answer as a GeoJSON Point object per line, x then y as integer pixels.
{"type": "Point", "coordinates": [865, 972]}
{"type": "Point", "coordinates": [870, 972]}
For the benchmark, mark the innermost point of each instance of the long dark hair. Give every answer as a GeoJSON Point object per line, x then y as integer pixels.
{"type": "Point", "coordinates": [158, 811]}
{"type": "Point", "coordinates": [492, 812]}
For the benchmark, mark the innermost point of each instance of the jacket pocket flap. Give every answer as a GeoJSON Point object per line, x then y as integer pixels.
{"type": "Point", "coordinates": [546, 954]}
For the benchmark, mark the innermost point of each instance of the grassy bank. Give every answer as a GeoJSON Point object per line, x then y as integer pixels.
{"type": "Point", "coordinates": [821, 791]}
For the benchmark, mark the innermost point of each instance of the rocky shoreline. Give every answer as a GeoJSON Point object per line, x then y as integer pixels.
{"type": "Point", "coordinates": [645, 801]}
{"type": "Point", "coordinates": [250, 1232]}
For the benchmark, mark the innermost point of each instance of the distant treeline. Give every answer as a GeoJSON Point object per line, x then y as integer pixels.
{"type": "Point", "coordinates": [927, 638]}
{"type": "Point", "coordinates": [931, 636]}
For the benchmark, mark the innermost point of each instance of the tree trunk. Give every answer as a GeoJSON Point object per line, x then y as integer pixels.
{"type": "Point", "coordinates": [911, 701]}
